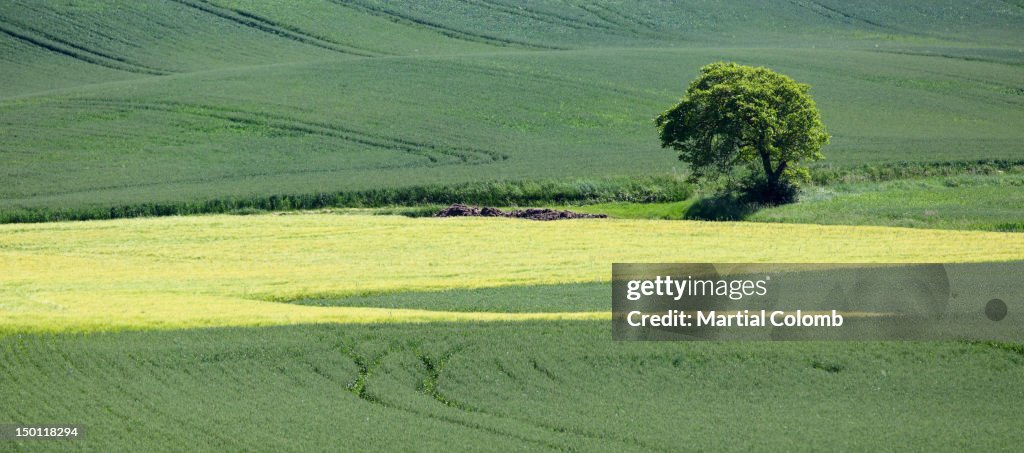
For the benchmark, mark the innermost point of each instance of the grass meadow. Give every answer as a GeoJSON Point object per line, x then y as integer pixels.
{"type": "Point", "coordinates": [957, 202]}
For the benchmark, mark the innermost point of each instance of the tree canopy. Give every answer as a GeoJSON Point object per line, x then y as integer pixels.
{"type": "Point", "coordinates": [734, 115]}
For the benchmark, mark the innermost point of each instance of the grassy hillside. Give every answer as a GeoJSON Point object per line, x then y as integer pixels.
{"type": "Point", "coordinates": [110, 104]}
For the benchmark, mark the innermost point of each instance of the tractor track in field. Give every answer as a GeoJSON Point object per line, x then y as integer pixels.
{"type": "Point", "coordinates": [407, 19]}
{"type": "Point", "coordinates": [833, 13]}
{"type": "Point", "coordinates": [948, 56]}
{"type": "Point", "coordinates": [512, 72]}
{"type": "Point", "coordinates": [432, 153]}
{"type": "Point", "coordinates": [618, 20]}
{"type": "Point", "coordinates": [525, 11]}
{"type": "Point", "coordinates": [50, 43]}
{"type": "Point", "coordinates": [433, 366]}
{"type": "Point", "coordinates": [902, 82]}
{"type": "Point", "coordinates": [262, 24]}
{"type": "Point", "coordinates": [71, 21]}
{"type": "Point", "coordinates": [358, 387]}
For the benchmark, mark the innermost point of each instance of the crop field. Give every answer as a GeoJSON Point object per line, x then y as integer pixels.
{"type": "Point", "coordinates": [229, 270]}
{"type": "Point", "coordinates": [338, 313]}
{"type": "Point", "coordinates": [189, 101]}
{"type": "Point", "coordinates": [418, 340]}
{"type": "Point", "coordinates": [552, 385]}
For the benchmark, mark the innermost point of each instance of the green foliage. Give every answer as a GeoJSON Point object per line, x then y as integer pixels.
{"type": "Point", "coordinates": [982, 195]}
{"type": "Point", "coordinates": [624, 210]}
{"type": "Point", "coordinates": [651, 189]}
{"type": "Point", "coordinates": [882, 172]}
{"type": "Point", "coordinates": [734, 115]}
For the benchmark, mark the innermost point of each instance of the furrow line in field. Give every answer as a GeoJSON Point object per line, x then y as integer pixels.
{"type": "Point", "coordinates": [69, 20]}
{"type": "Point", "coordinates": [833, 13]}
{"type": "Point", "coordinates": [949, 56]}
{"type": "Point", "coordinates": [506, 72]}
{"type": "Point", "coordinates": [203, 111]}
{"type": "Point", "coordinates": [463, 153]}
{"type": "Point", "coordinates": [432, 155]}
{"type": "Point", "coordinates": [359, 388]}
{"type": "Point", "coordinates": [283, 123]}
{"type": "Point", "coordinates": [407, 19]}
{"type": "Point", "coordinates": [77, 52]}
{"type": "Point", "coordinates": [258, 23]}
{"type": "Point", "coordinates": [629, 19]}
{"type": "Point", "coordinates": [901, 82]}
{"type": "Point", "coordinates": [617, 19]}
{"type": "Point", "coordinates": [299, 31]}
{"type": "Point", "coordinates": [1018, 3]}
{"type": "Point", "coordinates": [147, 370]}
{"type": "Point", "coordinates": [435, 366]}
{"type": "Point", "coordinates": [543, 16]}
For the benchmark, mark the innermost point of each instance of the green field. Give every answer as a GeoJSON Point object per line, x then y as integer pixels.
{"type": "Point", "coordinates": [341, 325]}
{"type": "Point", "coordinates": [566, 297]}
{"type": "Point", "coordinates": [962, 202]}
{"type": "Point", "coordinates": [173, 103]}
{"type": "Point", "coordinates": [965, 202]}
{"type": "Point", "coordinates": [402, 339]}
{"type": "Point", "coordinates": [536, 386]}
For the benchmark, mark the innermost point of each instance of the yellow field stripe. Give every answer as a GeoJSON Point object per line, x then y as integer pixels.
{"type": "Point", "coordinates": [222, 270]}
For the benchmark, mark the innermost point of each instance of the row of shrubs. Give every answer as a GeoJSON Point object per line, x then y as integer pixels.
{"type": "Point", "coordinates": [650, 189]}
{"type": "Point", "coordinates": [826, 175]}
{"type": "Point", "coordinates": [641, 189]}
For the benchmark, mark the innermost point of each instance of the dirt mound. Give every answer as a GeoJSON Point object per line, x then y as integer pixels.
{"type": "Point", "coordinates": [461, 210]}
{"type": "Point", "coordinates": [458, 210]}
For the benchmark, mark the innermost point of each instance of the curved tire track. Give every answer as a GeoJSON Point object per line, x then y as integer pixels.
{"type": "Point", "coordinates": [431, 152]}
{"type": "Point", "coordinates": [63, 47]}
{"type": "Point", "coordinates": [406, 19]}
{"type": "Point", "coordinates": [432, 155]}
{"type": "Point", "coordinates": [433, 367]}
{"type": "Point", "coordinates": [524, 10]}
{"type": "Point", "coordinates": [265, 25]}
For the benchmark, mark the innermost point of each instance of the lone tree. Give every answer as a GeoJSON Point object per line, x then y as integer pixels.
{"type": "Point", "coordinates": [741, 116]}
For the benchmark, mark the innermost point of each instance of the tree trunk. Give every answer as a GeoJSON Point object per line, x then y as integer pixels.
{"type": "Point", "coordinates": [766, 162]}
{"type": "Point", "coordinates": [778, 172]}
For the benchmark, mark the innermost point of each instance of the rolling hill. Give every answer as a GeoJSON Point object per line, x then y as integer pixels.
{"type": "Point", "coordinates": [314, 330]}
{"type": "Point", "coordinates": [108, 104]}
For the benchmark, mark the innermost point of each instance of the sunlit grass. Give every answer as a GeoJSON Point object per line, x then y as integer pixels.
{"type": "Point", "coordinates": [224, 270]}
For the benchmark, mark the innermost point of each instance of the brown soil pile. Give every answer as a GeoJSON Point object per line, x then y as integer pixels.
{"type": "Point", "coordinates": [461, 210]}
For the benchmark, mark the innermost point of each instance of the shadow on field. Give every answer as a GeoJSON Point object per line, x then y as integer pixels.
{"type": "Point", "coordinates": [727, 206]}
